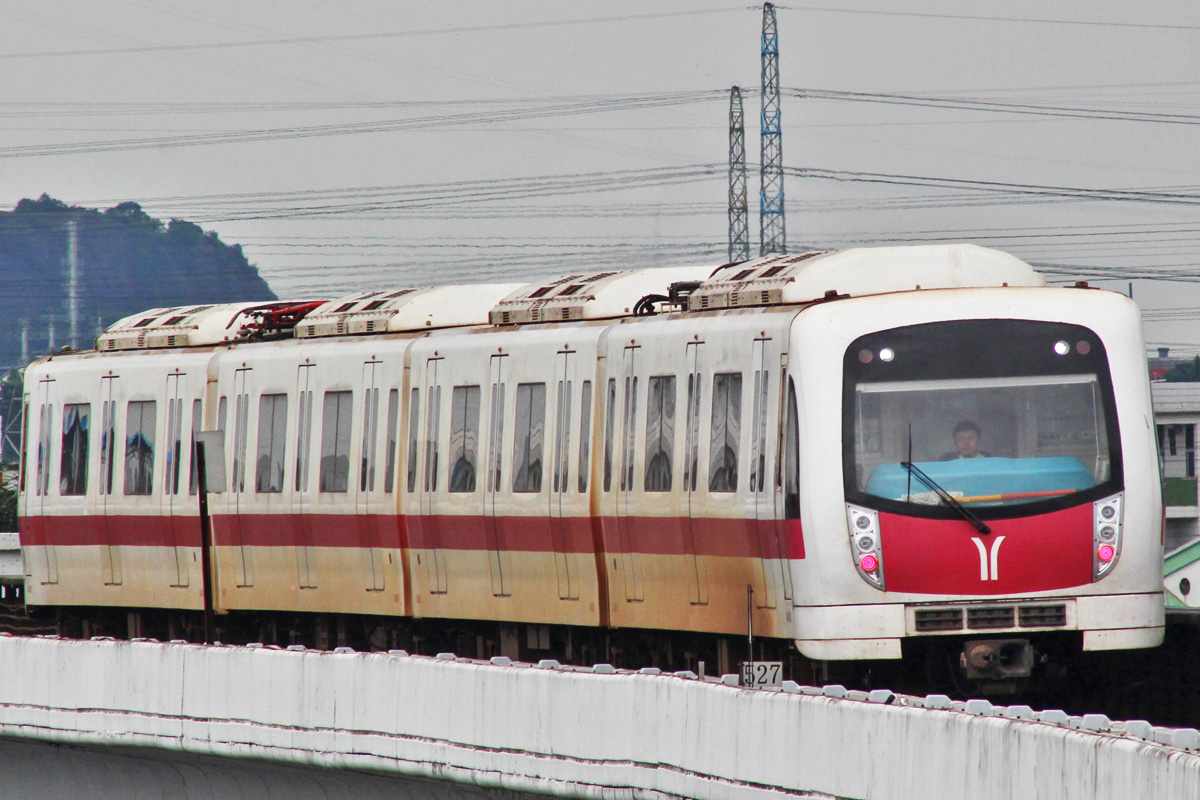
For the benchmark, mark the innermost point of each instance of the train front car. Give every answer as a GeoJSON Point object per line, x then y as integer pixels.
{"type": "Point", "coordinates": [979, 479]}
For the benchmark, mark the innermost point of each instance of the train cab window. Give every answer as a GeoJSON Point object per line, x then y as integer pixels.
{"type": "Point", "coordinates": [791, 449]}
{"type": "Point", "coordinates": [139, 447]}
{"type": "Point", "coordinates": [393, 412]}
{"type": "Point", "coordinates": [335, 441]}
{"type": "Point", "coordinates": [193, 475]}
{"type": "Point", "coordinates": [610, 403]}
{"type": "Point", "coordinates": [585, 435]}
{"type": "Point", "coordinates": [725, 432]}
{"type": "Point", "coordinates": [45, 420]}
{"type": "Point", "coordinates": [304, 424]}
{"type": "Point", "coordinates": [464, 438]}
{"type": "Point", "coordinates": [528, 437]}
{"type": "Point", "coordinates": [660, 433]}
{"type": "Point", "coordinates": [370, 437]}
{"type": "Point", "coordinates": [272, 443]}
{"type": "Point", "coordinates": [414, 415]}
{"type": "Point", "coordinates": [77, 430]}
{"type": "Point", "coordinates": [108, 445]}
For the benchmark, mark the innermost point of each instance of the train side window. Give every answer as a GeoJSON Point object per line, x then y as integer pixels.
{"type": "Point", "coordinates": [272, 443]}
{"type": "Point", "coordinates": [660, 433]}
{"type": "Point", "coordinates": [414, 415]}
{"type": "Point", "coordinates": [464, 438]}
{"type": "Point", "coordinates": [610, 404]}
{"type": "Point", "coordinates": [562, 437]}
{"type": "Point", "coordinates": [193, 476]}
{"type": "Point", "coordinates": [791, 444]}
{"type": "Point", "coordinates": [175, 444]}
{"type": "Point", "coordinates": [433, 426]}
{"type": "Point", "coordinates": [758, 433]}
{"type": "Point", "coordinates": [45, 419]}
{"type": "Point", "coordinates": [631, 390]}
{"type": "Point", "coordinates": [393, 412]}
{"type": "Point", "coordinates": [725, 432]}
{"type": "Point", "coordinates": [139, 447]}
{"type": "Point", "coordinates": [335, 441]}
{"type": "Point", "coordinates": [77, 430]}
{"type": "Point", "coordinates": [585, 435]}
{"type": "Point", "coordinates": [528, 437]}
{"type": "Point", "coordinates": [108, 445]}
{"type": "Point", "coordinates": [304, 423]}
{"type": "Point", "coordinates": [241, 433]}
{"type": "Point", "coordinates": [366, 475]}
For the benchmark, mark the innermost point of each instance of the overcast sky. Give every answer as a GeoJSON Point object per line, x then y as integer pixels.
{"type": "Point", "coordinates": [465, 127]}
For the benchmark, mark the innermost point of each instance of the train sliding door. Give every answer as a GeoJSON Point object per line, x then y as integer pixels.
{"type": "Point", "coordinates": [45, 443]}
{"type": "Point", "coordinates": [302, 505]}
{"type": "Point", "coordinates": [365, 518]}
{"type": "Point", "coordinates": [495, 454]}
{"type": "Point", "coordinates": [625, 505]}
{"type": "Point", "coordinates": [109, 448]}
{"type": "Point", "coordinates": [564, 384]}
{"type": "Point", "coordinates": [435, 564]}
{"type": "Point", "coordinates": [179, 521]}
{"type": "Point", "coordinates": [691, 466]}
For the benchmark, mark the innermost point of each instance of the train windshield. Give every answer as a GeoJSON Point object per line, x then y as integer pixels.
{"type": "Point", "coordinates": [1006, 416]}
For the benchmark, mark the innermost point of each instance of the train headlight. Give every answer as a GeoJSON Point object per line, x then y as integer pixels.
{"type": "Point", "coordinates": [1106, 534]}
{"type": "Point", "coordinates": [865, 545]}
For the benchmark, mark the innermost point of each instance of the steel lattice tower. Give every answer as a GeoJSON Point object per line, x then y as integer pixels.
{"type": "Point", "coordinates": [739, 215]}
{"type": "Point", "coordinates": [772, 224]}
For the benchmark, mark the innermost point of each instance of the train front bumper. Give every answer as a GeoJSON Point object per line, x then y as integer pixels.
{"type": "Point", "coordinates": [868, 632]}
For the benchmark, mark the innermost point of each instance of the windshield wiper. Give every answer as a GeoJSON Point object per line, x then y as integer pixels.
{"type": "Point", "coordinates": [946, 497]}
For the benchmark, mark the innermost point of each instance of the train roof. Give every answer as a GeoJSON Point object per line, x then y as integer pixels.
{"type": "Point", "coordinates": [814, 275]}
{"type": "Point", "coordinates": [793, 279]}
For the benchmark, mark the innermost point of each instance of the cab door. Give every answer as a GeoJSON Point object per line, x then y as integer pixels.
{"type": "Point", "coordinates": [43, 468]}
{"type": "Point", "coordinates": [559, 486]}
{"type": "Point", "coordinates": [495, 455]}
{"type": "Point", "coordinates": [625, 491]}
{"type": "Point", "coordinates": [174, 506]}
{"type": "Point", "coordinates": [367, 479]}
{"type": "Point", "coordinates": [302, 506]}
{"type": "Point", "coordinates": [435, 564]}
{"type": "Point", "coordinates": [691, 466]}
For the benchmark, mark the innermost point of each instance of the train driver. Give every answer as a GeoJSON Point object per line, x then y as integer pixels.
{"type": "Point", "coordinates": [966, 442]}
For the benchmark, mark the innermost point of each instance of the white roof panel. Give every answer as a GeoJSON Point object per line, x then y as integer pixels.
{"type": "Point", "coordinates": [405, 310]}
{"type": "Point", "coordinates": [589, 295]}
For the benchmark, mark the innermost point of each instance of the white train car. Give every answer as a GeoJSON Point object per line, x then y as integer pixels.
{"type": "Point", "coordinates": [844, 452]}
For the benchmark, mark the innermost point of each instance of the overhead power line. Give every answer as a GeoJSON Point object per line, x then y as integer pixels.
{"type": "Point", "coordinates": [1091, 23]}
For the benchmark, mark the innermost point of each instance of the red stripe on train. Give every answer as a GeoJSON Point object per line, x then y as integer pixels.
{"type": "Point", "coordinates": [650, 535]}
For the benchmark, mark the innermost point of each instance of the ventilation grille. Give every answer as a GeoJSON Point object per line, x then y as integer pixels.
{"type": "Point", "coordinates": [939, 619]}
{"type": "Point", "coordinates": [988, 617]}
{"type": "Point", "coordinates": [1054, 616]}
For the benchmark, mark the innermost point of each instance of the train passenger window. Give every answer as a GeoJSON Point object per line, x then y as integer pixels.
{"type": "Point", "coordinates": [175, 444]}
{"type": "Point", "coordinates": [366, 475]}
{"type": "Point", "coordinates": [433, 425]}
{"type": "Point", "coordinates": [272, 443]}
{"type": "Point", "coordinates": [241, 433]}
{"type": "Point", "coordinates": [631, 390]}
{"type": "Point", "coordinates": [414, 414]}
{"type": "Point", "coordinates": [221, 408]}
{"type": "Point", "coordinates": [528, 437]}
{"type": "Point", "coordinates": [585, 434]}
{"type": "Point", "coordinates": [335, 441]}
{"type": "Point", "coordinates": [758, 432]}
{"type": "Point", "coordinates": [304, 423]}
{"type": "Point", "coordinates": [562, 437]}
{"type": "Point", "coordinates": [691, 456]}
{"type": "Point", "coordinates": [464, 438]}
{"type": "Point", "coordinates": [108, 446]}
{"type": "Point", "coordinates": [393, 411]}
{"type": "Point", "coordinates": [610, 404]}
{"type": "Point", "coordinates": [791, 445]}
{"type": "Point", "coordinates": [77, 430]}
{"type": "Point", "coordinates": [725, 432]}
{"type": "Point", "coordinates": [45, 420]}
{"type": "Point", "coordinates": [139, 447]}
{"type": "Point", "coordinates": [193, 476]}
{"type": "Point", "coordinates": [660, 433]}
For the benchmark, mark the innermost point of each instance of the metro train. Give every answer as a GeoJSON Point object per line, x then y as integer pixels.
{"type": "Point", "coordinates": [850, 456]}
